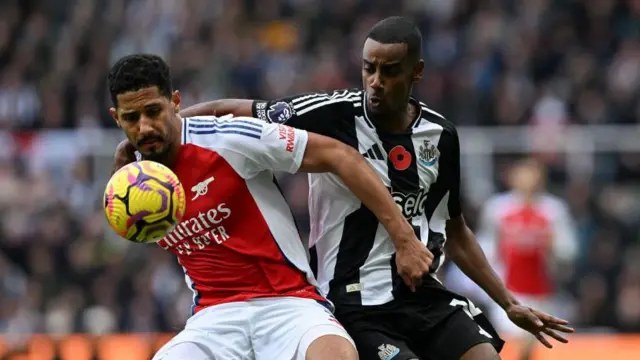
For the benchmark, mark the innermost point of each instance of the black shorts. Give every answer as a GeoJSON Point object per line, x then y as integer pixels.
{"type": "Point", "coordinates": [431, 324]}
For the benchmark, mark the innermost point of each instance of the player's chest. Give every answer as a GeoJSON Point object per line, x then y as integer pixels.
{"type": "Point", "coordinates": [525, 227]}
{"type": "Point", "coordinates": [214, 195]}
{"type": "Point", "coordinates": [407, 162]}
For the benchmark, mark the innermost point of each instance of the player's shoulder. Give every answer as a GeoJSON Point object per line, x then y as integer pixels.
{"type": "Point", "coordinates": [430, 116]}
{"type": "Point", "coordinates": [554, 203]}
{"type": "Point", "coordinates": [208, 131]}
{"type": "Point", "coordinates": [345, 99]}
{"type": "Point", "coordinates": [499, 201]}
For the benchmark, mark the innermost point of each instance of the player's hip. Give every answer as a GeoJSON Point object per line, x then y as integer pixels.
{"type": "Point", "coordinates": [414, 319]}
{"type": "Point", "coordinates": [255, 329]}
{"type": "Point", "coordinates": [406, 311]}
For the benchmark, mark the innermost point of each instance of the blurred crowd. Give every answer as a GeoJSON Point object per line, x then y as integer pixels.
{"type": "Point", "coordinates": [540, 63]}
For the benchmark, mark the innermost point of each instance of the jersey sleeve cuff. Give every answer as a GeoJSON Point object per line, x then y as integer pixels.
{"type": "Point", "coordinates": [302, 137]}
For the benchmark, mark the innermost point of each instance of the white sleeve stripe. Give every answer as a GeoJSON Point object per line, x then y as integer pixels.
{"type": "Point", "coordinates": [324, 98]}
{"type": "Point", "coordinates": [238, 127]}
{"type": "Point", "coordinates": [245, 126]}
{"type": "Point", "coordinates": [213, 122]}
{"type": "Point", "coordinates": [323, 95]}
{"type": "Point", "coordinates": [226, 131]}
{"type": "Point", "coordinates": [324, 103]}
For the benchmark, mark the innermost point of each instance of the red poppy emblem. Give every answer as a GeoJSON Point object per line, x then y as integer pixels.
{"type": "Point", "coordinates": [400, 158]}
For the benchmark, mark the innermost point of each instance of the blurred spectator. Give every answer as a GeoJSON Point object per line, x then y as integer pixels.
{"type": "Point", "coordinates": [539, 63]}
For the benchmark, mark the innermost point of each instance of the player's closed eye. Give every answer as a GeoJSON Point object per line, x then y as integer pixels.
{"type": "Point", "coordinates": [130, 117]}
{"type": "Point", "coordinates": [153, 112]}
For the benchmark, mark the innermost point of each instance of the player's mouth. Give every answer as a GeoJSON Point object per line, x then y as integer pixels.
{"type": "Point", "coordinates": [150, 144]}
{"type": "Point", "coordinates": [374, 101]}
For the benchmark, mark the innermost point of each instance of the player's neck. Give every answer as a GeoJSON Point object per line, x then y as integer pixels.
{"type": "Point", "coordinates": [397, 122]}
{"type": "Point", "coordinates": [177, 142]}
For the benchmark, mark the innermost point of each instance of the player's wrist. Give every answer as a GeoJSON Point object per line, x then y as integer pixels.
{"type": "Point", "coordinates": [509, 302]}
{"type": "Point", "coordinates": [402, 236]}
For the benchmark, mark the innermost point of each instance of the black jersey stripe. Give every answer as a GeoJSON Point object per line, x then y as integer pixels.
{"type": "Point", "coordinates": [358, 237]}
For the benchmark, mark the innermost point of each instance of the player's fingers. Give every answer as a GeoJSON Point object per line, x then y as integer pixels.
{"type": "Point", "coordinates": [562, 328]}
{"type": "Point", "coordinates": [408, 281]}
{"type": "Point", "coordinates": [547, 318]}
{"type": "Point", "coordinates": [543, 340]}
{"type": "Point", "coordinates": [429, 254]}
{"type": "Point", "coordinates": [534, 319]}
{"type": "Point", "coordinates": [556, 336]}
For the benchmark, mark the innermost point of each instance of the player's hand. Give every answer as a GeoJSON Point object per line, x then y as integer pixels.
{"type": "Point", "coordinates": [413, 260]}
{"type": "Point", "coordinates": [125, 154]}
{"type": "Point", "coordinates": [539, 323]}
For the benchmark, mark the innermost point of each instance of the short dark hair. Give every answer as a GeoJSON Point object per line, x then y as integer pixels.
{"type": "Point", "coordinates": [398, 30]}
{"type": "Point", "coordinates": [139, 71]}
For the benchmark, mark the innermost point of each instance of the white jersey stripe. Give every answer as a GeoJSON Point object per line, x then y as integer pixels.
{"type": "Point", "coordinates": [279, 218]}
{"type": "Point", "coordinates": [324, 103]}
{"type": "Point", "coordinates": [323, 95]}
{"type": "Point", "coordinates": [424, 108]}
{"type": "Point", "coordinates": [353, 98]}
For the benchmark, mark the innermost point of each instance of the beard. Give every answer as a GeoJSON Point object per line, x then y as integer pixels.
{"type": "Point", "coordinates": [161, 156]}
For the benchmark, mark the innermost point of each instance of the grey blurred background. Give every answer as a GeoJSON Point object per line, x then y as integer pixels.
{"type": "Point", "coordinates": [558, 80]}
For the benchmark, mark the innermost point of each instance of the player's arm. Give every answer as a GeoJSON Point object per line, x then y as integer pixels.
{"type": "Point", "coordinates": [565, 239]}
{"type": "Point", "coordinates": [462, 247]}
{"type": "Point", "coordinates": [283, 148]}
{"type": "Point", "coordinates": [313, 111]}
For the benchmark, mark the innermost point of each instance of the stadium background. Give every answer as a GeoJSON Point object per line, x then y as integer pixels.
{"type": "Point", "coordinates": [556, 78]}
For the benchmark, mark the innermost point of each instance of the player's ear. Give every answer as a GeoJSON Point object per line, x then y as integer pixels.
{"type": "Point", "coordinates": [176, 99]}
{"type": "Point", "coordinates": [114, 114]}
{"type": "Point", "coordinates": [418, 70]}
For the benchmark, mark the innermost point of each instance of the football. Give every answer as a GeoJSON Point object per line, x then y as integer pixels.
{"type": "Point", "coordinates": [143, 201]}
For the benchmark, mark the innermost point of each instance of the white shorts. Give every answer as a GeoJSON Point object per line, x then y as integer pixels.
{"type": "Point", "coordinates": [258, 329]}
{"type": "Point", "coordinates": [505, 327]}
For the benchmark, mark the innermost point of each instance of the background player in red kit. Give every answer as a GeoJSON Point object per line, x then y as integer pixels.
{"type": "Point", "coordinates": [529, 232]}
{"type": "Point", "coordinates": [254, 294]}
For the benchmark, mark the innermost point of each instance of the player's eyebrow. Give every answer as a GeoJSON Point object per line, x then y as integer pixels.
{"type": "Point", "coordinates": [391, 64]}
{"type": "Point", "coordinates": [385, 65]}
{"type": "Point", "coordinates": [146, 106]}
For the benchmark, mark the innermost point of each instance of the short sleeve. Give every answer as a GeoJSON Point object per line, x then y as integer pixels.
{"type": "Point", "coordinates": [315, 112]}
{"type": "Point", "coordinates": [251, 146]}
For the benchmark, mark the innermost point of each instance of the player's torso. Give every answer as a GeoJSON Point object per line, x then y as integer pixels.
{"type": "Point", "coordinates": [409, 165]}
{"type": "Point", "coordinates": [525, 241]}
{"type": "Point", "coordinates": [223, 242]}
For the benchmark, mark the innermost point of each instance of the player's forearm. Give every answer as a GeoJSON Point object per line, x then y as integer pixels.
{"type": "Point", "coordinates": [463, 249]}
{"type": "Point", "coordinates": [363, 182]}
{"type": "Point", "coordinates": [237, 107]}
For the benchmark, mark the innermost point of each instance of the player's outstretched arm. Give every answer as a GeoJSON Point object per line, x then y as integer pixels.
{"type": "Point", "coordinates": [463, 248]}
{"type": "Point", "coordinates": [324, 154]}
{"type": "Point", "coordinates": [237, 107]}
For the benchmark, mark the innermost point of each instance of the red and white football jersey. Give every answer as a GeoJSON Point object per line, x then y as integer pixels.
{"type": "Point", "coordinates": [238, 239]}
{"type": "Point", "coordinates": [527, 239]}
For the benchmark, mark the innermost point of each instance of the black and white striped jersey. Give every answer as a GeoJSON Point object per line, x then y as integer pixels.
{"type": "Point", "coordinates": [421, 168]}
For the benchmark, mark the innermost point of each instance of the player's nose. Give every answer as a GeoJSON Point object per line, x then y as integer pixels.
{"type": "Point", "coordinates": [145, 125]}
{"type": "Point", "coordinates": [375, 81]}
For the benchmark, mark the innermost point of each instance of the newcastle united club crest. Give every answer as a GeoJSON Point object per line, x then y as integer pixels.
{"type": "Point", "coordinates": [428, 153]}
